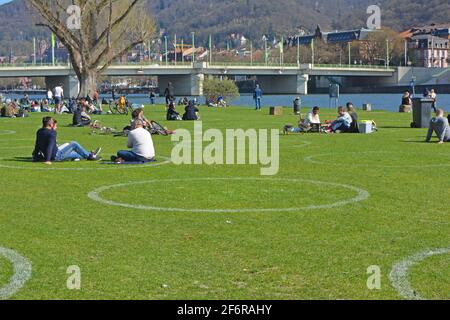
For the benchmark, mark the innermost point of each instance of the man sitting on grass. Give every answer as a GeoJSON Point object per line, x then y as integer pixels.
{"type": "Point", "coordinates": [440, 126]}
{"type": "Point", "coordinates": [46, 149]}
{"type": "Point", "coordinates": [141, 143]}
{"type": "Point", "coordinates": [342, 123]}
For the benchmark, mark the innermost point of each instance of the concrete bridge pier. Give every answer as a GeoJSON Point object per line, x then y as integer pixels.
{"type": "Point", "coordinates": [284, 84]}
{"type": "Point", "coordinates": [70, 83]}
{"type": "Point", "coordinates": [185, 85]}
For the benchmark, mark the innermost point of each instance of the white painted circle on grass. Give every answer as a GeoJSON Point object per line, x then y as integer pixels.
{"type": "Point", "coordinates": [400, 272]}
{"type": "Point", "coordinates": [302, 145]}
{"type": "Point", "coordinates": [313, 159]}
{"type": "Point", "coordinates": [41, 166]}
{"type": "Point", "coordinates": [6, 132]}
{"type": "Point", "coordinates": [361, 196]}
{"type": "Point", "coordinates": [22, 273]}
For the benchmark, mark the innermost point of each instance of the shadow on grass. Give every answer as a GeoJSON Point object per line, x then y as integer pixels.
{"type": "Point", "coordinates": [392, 127]}
{"type": "Point", "coordinates": [20, 159]}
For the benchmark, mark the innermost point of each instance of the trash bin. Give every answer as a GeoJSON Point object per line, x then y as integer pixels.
{"type": "Point", "coordinates": [297, 105]}
{"type": "Point", "coordinates": [421, 113]}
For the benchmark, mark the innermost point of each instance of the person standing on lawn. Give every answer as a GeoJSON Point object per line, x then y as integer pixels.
{"type": "Point", "coordinates": [257, 96]}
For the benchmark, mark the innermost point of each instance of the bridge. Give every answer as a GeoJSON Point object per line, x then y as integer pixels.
{"type": "Point", "coordinates": [188, 78]}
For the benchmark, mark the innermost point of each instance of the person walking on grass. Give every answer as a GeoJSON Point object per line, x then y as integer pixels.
{"type": "Point", "coordinates": [169, 93]}
{"type": "Point", "coordinates": [141, 144]}
{"type": "Point", "coordinates": [440, 126]}
{"type": "Point", "coordinates": [59, 96]}
{"type": "Point", "coordinates": [257, 96]}
{"type": "Point", "coordinates": [47, 151]}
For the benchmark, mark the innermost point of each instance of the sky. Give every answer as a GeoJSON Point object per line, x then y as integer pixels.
{"type": "Point", "coordinates": [4, 1]}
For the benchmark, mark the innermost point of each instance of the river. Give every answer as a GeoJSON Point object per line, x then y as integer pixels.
{"type": "Point", "coordinates": [387, 102]}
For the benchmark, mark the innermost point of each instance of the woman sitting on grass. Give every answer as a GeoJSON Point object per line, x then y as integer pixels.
{"type": "Point", "coordinates": [312, 119]}
{"type": "Point", "coordinates": [172, 114]}
{"type": "Point", "coordinates": [191, 112]}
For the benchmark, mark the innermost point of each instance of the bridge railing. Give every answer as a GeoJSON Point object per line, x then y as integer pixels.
{"type": "Point", "coordinates": [214, 64]}
{"type": "Point", "coordinates": [351, 66]}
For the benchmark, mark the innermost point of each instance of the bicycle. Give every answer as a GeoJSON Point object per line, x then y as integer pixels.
{"type": "Point", "coordinates": [116, 107]}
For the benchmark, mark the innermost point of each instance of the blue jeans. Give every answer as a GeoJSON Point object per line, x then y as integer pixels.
{"type": "Point", "coordinates": [338, 125]}
{"type": "Point", "coordinates": [130, 156]}
{"type": "Point", "coordinates": [72, 151]}
{"type": "Point", "coordinates": [258, 103]}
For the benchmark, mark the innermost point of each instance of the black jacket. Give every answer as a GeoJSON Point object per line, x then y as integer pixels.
{"type": "Point", "coordinates": [45, 148]}
{"type": "Point", "coordinates": [191, 113]}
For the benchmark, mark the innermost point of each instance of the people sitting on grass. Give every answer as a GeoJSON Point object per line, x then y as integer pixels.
{"type": "Point", "coordinates": [407, 103]}
{"type": "Point", "coordinates": [310, 123]}
{"type": "Point", "coordinates": [172, 114]}
{"type": "Point", "coordinates": [343, 122]}
{"type": "Point", "coordinates": [191, 112]}
{"type": "Point", "coordinates": [80, 117]}
{"type": "Point", "coordinates": [47, 151]}
{"type": "Point", "coordinates": [440, 126]}
{"type": "Point", "coordinates": [354, 127]}
{"type": "Point", "coordinates": [45, 106]}
{"type": "Point", "coordinates": [9, 109]}
{"type": "Point", "coordinates": [141, 144]}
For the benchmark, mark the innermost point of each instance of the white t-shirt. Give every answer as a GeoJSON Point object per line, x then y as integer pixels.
{"type": "Point", "coordinates": [141, 143]}
{"type": "Point", "coordinates": [312, 119]}
{"type": "Point", "coordinates": [59, 92]}
{"type": "Point", "coordinates": [50, 94]}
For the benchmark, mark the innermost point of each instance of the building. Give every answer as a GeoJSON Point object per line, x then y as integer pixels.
{"type": "Point", "coordinates": [430, 46]}
{"type": "Point", "coordinates": [333, 37]}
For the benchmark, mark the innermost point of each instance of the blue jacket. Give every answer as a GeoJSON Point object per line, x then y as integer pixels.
{"type": "Point", "coordinates": [258, 93]}
{"type": "Point", "coordinates": [45, 148]}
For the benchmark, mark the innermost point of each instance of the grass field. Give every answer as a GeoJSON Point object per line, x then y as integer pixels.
{"type": "Point", "coordinates": [125, 253]}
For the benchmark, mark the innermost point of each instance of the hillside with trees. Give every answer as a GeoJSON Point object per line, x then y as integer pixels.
{"type": "Point", "coordinates": [251, 18]}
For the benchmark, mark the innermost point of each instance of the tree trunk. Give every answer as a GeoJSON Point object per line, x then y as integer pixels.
{"type": "Point", "coordinates": [88, 83]}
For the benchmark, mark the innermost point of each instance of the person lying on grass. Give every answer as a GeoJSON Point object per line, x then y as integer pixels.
{"type": "Point", "coordinates": [305, 125]}
{"type": "Point", "coordinates": [47, 151]}
{"type": "Point", "coordinates": [141, 144]}
{"type": "Point", "coordinates": [138, 114]}
{"type": "Point", "coordinates": [440, 126]}
{"type": "Point", "coordinates": [342, 123]}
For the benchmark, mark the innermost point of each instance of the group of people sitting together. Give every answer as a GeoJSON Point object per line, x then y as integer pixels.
{"type": "Point", "coordinates": [346, 122]}
{"type": "Point", "coordinates": [191, 111]}
{"type": "Point", "coordinates": [407, 102]}
{"type": "Point", "coordinates": [47, 150]}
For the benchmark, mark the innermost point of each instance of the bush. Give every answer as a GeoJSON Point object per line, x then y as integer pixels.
{"type": "Point", "coordinates": [214, 88]}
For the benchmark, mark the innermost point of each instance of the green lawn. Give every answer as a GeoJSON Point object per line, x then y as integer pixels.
{"type": "Point", "coordinates": [127, 253]}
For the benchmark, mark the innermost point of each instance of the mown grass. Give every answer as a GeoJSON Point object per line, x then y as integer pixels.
{"type": "Point", "coordinates": [127, 253]}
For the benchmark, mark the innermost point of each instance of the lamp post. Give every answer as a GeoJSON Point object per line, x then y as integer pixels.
{"type": "Point", "coordinates": [193, 47]}
{"type": "Point", "coordinates": [176, 48]}
{"type": "Point", "coordinates": [165, 50]}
